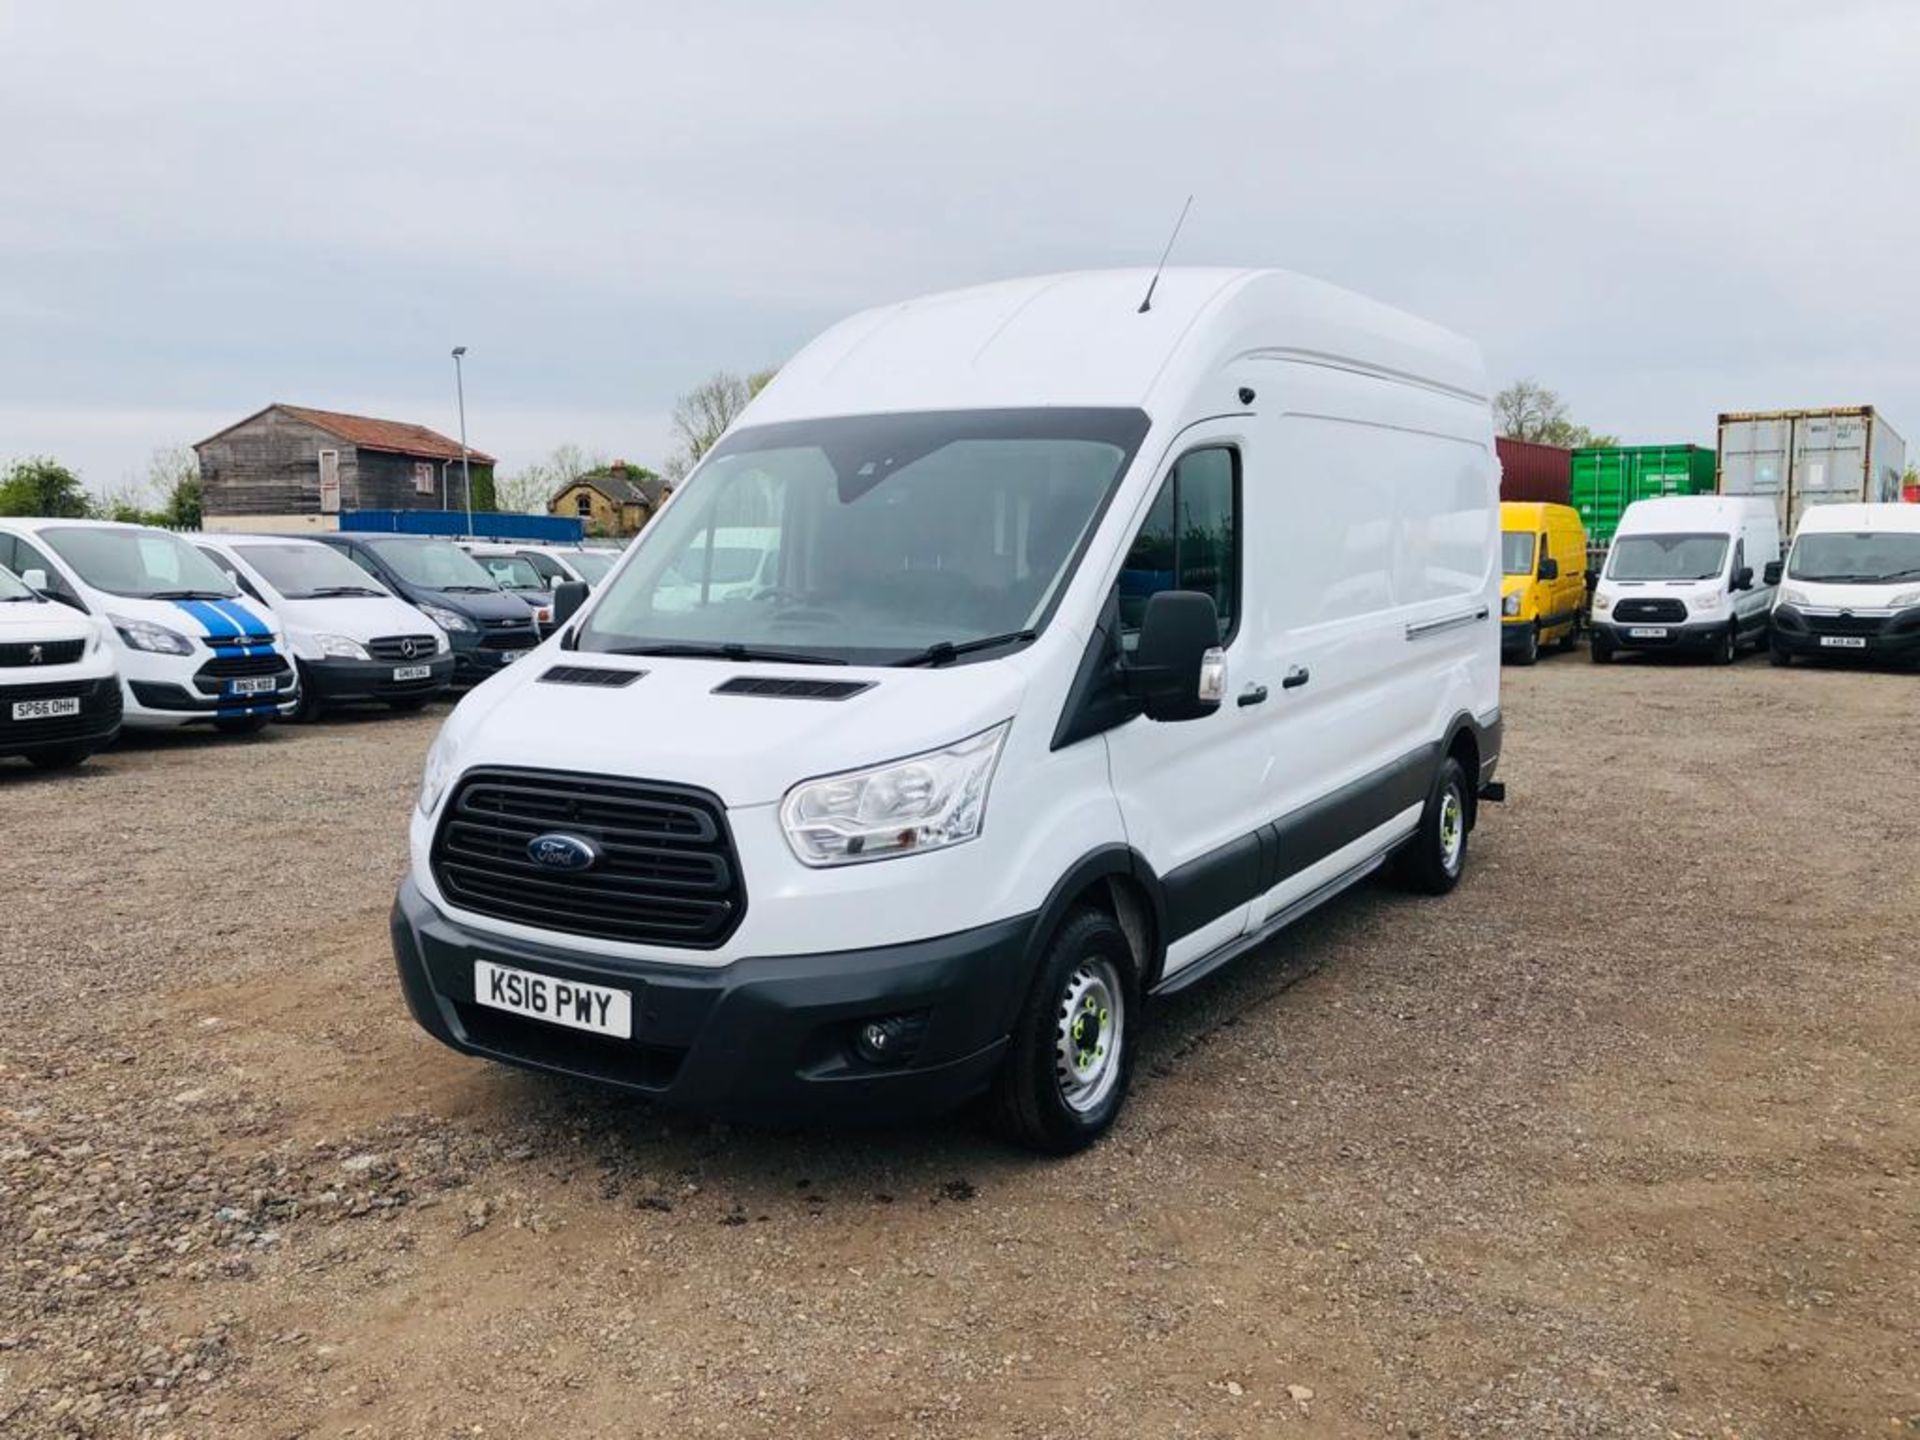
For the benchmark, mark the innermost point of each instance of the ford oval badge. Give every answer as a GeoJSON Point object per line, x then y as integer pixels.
{"type": "Point", "coordinates": [561, 852]}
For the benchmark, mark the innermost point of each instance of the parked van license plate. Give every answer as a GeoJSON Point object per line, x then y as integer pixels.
{"type": "Point", "coordinates": [598, 1008]}
{"type": "Point", "coordinates": [1845, 642]}
{"type": "Point", "coordinates": [413, 672]}
{"type": "Point", "coordinates": [1647, 632]}
{"type": "Point", "coordinates": [259, 685]}
{"type": "Point", "coordinates": [45, 709]}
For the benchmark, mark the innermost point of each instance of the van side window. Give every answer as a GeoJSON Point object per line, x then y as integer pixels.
{"type": "Point", "coordinates": [1190, 540]}
{"type": "Point", "coordinates": [1739, 555]}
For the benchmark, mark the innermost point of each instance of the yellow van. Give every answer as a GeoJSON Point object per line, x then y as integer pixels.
{"type": "Point", "coordinates": [1543, 550]}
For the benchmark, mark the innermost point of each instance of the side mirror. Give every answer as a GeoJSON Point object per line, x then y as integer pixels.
{"type": "Point", "coordinates": [1177, 671]}
{"type": "Point", "coordinates": [568, 597]}
{"type": "Point", "coordinates": [1773, 572]}
{"type": "Point", "coordinates": [35, 579]}
{"type": "Point", "coordinates": [1549, 568]}
{"type": "Point", "coordinates": [1743, 578]}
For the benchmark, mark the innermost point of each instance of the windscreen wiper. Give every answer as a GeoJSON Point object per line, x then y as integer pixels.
{"type": "Point", "coordinates": [190, 595]}
{"type": "Point", "coordinates": [946, 650]}
{"type": "Point", "coordinates": [326, 590]}
{"type": "Point", "coordinates": [729, 651]}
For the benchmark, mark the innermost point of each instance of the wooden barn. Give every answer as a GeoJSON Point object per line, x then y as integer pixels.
{"type": "Point", "coordinates": [292, 467]}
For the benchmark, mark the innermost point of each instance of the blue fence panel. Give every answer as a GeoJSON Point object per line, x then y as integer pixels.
{"type": "Point", "coordinates": [486, 525]}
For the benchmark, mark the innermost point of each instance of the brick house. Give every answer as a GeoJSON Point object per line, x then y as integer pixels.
{"type": "Point", "coordinates": [617, 500]}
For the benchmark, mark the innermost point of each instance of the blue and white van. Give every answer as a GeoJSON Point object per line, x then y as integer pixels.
{"type": "Point", "coordinates": [190, 648]}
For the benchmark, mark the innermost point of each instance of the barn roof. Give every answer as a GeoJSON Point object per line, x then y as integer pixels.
{"type": "Point", "coordinates": [395, 437]}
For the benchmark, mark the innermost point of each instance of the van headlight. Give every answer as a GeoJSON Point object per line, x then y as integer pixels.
{"type": "Point", "coordinates": [1704, 602]}
{"type": "Point", "coordinates": [1790, 596]}
{"type": "Point", "coordinates": [1510, 604]}
{"type": "Point", "coordinates": [445, 618]}
{"type": "Point", "coordinates": [439, 772]}
{"type": "Point", "coordinates": [145, 635]}
{"type": "Point", "coordinates": [341, 647]}
{"type": "Point", "coordinates": [1602, 601]}
{"type": "Point", "coordinates": [926, 802]}
{"type": "Point", "coordinates": [1904, 599]}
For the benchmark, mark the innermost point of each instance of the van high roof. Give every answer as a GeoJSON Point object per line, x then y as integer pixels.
{"type": "Point", "coordinates": [1080, 339]}
{"type": "Point", "coordinates": [1886, 516]}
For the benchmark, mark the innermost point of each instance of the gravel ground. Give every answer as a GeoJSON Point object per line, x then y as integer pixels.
{"type": "Point", "coordinates": [1619, 1140]}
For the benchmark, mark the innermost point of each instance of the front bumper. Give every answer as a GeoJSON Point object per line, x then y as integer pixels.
{"type": "Point", "coordinates": [765, 1038]}
{"type": "Point", "coordinates": [1694, 639]}
{"type": "Point", "coordinates": [1889, 637]}
{"type": "Point", "coordinates": [335, 681]}
{"type": "Point", "coordinates": [475, 658]}
{"type": "Point", "coordinates": [94, 727]}
{"type": "Point", "coordinates": [164, 703]}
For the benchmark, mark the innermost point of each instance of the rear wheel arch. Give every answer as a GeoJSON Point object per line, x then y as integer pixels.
{"type": "Point", "coordinates": [1463, 744]}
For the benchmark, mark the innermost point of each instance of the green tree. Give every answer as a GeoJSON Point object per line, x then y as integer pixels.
{"type": "Point", "coordinates": [1528, 410]}
{"type": "Point", "coordinates": [41, 485]}
{"type": "Point", "coordinates": [173, 474]}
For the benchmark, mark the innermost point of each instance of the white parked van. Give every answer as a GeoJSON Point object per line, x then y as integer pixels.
{"type": "Point", "coordinates": [1851, 585]}
{"type": "Point", "coordinates": [189, 647]}
{"type": "Point", "coordinates": [1682, 574]}
{"type": "Point", "coordinates": [59, 695]}
{"type": "Point", "coordinates": [352, 639]}
{"type": "Point", "coordinates": [1101, 638]}
{"type": "Point", "coordinates": [558, 564]}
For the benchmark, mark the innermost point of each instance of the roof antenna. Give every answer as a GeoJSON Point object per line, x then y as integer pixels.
{"type": "Point", "coordinates": [1146, 301]}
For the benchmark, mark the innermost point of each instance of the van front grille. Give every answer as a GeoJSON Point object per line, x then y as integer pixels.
{"type": "Point", "coordinates": [664, 870]}
{"type": "Point", "coordinates": [45, 652]}
{"type": "Point", "coordinates": [400, 648]}
{"type": "Point", "coordinates": [1657, 612]}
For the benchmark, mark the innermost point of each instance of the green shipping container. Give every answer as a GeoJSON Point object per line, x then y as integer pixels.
{"type": "Point", "coordinates": [1606, 481]}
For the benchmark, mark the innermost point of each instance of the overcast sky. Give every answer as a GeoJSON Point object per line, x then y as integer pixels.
{"type": "Point", "coordinates": [1663, 210]}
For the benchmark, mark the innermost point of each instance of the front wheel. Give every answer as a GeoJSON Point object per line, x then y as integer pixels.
{"type": "Point", "coordinates": [1435, 858]}
{"type": "Point", "coordinates": [1779, 655]}
{"type": "Point", "coordinates": [1530, 647]}
{"type": "Point", "coordinates": [1070, 1059]}
{"type": "Point", "coordinates": [1728, 648]}
{"type": "Point", "coordinates": [1602, 648]}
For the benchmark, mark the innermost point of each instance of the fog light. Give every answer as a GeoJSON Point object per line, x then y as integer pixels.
{"type": "Point", "coordinates": [891, 1039]}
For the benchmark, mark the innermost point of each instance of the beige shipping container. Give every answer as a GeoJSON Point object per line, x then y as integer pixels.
{"type": "Point", "coordinates": [1798, 458]}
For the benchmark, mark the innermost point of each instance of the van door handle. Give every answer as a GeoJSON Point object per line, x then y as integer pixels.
{"type": "Point", "coordinates": [1296, 677]}
{"type": "Point", "coordinates": [1252, 695]}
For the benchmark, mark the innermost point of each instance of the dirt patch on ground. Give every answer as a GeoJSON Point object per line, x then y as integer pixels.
{"type": "Point", "coordinates": [1621, 1139]}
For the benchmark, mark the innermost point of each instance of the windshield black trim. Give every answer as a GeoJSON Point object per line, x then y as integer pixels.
{"type": "Point", "coordinates": [1123, 427]}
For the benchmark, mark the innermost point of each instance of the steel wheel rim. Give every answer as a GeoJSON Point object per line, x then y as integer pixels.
{"type": "Point", "coordinates": [1089, 1030]}
{"type": "Point", "coordinates": [1453, 828]}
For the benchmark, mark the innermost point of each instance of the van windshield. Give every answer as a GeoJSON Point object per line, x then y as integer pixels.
{"type": "Point", "coordinates": [304, 570]}
{"type": "Point", "coordinates": [1860, 558]}
{"type": "Point", "coordinates": [432, 564]}
{"type": "Point", "coordinates": [140, 564]}
{"type": "Point", "coordinates": [591, 565]}
{"type": "Point", "coordinates": [512, 572]}
{"type": "Point", "coordinates": [1516, 552]}
{"type": "Point", "coordinates": [1667, 557]}
{"type": "Point", "coordinates": [871, 539]}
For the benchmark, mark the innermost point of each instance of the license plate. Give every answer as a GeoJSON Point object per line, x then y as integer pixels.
{"type": "Point", "coordinates": [507, 657]}
{"type": "Point", "coordinates": [259, 685]}
{"type": "Point", "coordinates": [413, 672]}
{"type": "Point", "coordinates": [45, 709]}
{"type": "Point", "coordinates": [1647, 632]}
{"type": "Point", "coordinates": [1845, 642]}
{"type": "Point", "coordinates": [596, 1008]}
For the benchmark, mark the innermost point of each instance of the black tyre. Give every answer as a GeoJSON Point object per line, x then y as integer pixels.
{"type": "Point", "coordinates": [241, 725]}
{"type": "Point", "coordinates": [1727, 649]}
{"type": "Point", "coordinates": [1071, 1057]}
{"type": "Point", "coordinates": [1779, 655]}
{"type": "Point", "coordinates": [1433, 861]}
{"type": "Point", "coordinates": [1571, 640]}
{"type": "Point", "coordinates": [308, 710]}
{"type": "Point", "coordinates": [63, 757]}
{"type": "Point", "coordinates": [408, 704]}
{"type": "Point", "coordinates": [1530, 650]}
{"type": "Point", "coordinates": [1601, 649]}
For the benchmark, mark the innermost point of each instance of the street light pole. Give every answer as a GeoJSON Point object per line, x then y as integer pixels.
{"type": "Point", "coordinates": [466, 469]}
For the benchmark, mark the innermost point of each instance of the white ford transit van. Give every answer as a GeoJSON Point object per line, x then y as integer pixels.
{"type": "Point", "coordinates": [190, 648]}
{"type": "Point", "coordinates": [1102, 637]}
{"type": "Point", "coordinates": [1852, 585]}
{"type": "Point", "coordinates": [1684, 574]}
{"type": "Point", "coordinates": [352, 639]}
{"type": "Point", "coordinates": [59, 695]}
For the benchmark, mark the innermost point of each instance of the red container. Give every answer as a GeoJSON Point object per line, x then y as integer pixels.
{"type": "Point", "coordinates": [1542, 473]}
